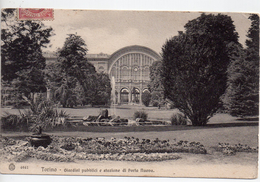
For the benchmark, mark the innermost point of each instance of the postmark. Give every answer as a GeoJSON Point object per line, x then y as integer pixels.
{"type": "Point", "coordinates": [35, 14]}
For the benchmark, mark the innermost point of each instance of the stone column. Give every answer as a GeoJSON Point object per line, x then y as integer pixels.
{"type": "Point", "coordinates": [130, 95]}
{"type": "Point", "coordinates": [119, 96]}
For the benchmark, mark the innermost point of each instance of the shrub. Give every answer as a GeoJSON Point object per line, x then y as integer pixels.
{"type": "Point", "coordinates": [169, 104]}
{"type": "Point", "coordinates": [178, 119]}
{"type": "Point", "coordinates": [146, 98]}
{"type": "Point", "coordinates": [140, 114]}
{"type": "Point", "coordinates": [155, 103]}
{"type": "Point", "coordinates": [157, 98]}
{"type": "Point", "coordinates": [12, 121]}
{"type": "Point", "coordinates": [41, 113]}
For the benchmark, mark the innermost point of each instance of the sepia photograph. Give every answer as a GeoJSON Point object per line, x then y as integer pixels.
{"type": "Point", "coordinates": [129, 93]}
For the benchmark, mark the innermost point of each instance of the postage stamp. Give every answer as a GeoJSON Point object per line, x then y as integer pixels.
{"type": "Point", "coordinates": [129, 93]}
{"type": "Point", "coordinates": [35, 14]}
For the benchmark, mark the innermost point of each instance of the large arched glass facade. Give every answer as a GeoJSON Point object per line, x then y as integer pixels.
{"type": "Point", "coordinates": [132, 67]}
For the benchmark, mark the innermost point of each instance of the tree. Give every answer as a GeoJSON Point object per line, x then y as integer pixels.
{"type": "Point", "coordinates": [195, 65]}
{"type": "Point", "coordinates": [74, 79]}
{"type": "Point", "coordinates": [71, 72]}
{"type": "Point", "coordinates": [30, 81]}
{"type": "Point", "coordinates": [243, 90]}
{"type": "Point", "coordinates": [73, 60]}
{"type": "Point", "coordinates": [156, 85]}
{"type": "Point", "coordinates": [156, 71]}
{"type": "Point", "coordinates": [65, 95]}
{"type": "Point", "coordinates": [21, 51]}
{"type": "Point", "coordinates": [21, 44]}
{"type": "Point", "coordinates": [157, 98]}
{"type": "Point", "coordinates": [100, 91]}
{"type": "Point", "coordinates": [146, 98]}
{"type": "Point", "coordinates": [64, 87]}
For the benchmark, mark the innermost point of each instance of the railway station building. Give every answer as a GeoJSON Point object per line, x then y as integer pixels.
{"type": "Point", "coordinates": [130, 67]}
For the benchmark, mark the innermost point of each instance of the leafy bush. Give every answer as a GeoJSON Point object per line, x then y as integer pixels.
{"type": "Point", "coordinates": [13, 122]}
{"type": "Point", "coordinates": [169, 104]}
{"type": "Point", "coordinates": [140, 114]}
{"type": "Point", "coordinates": [48, 117]}
{"type": "Point", "coordinates": [155, 103]}
{"type": "Point", "coordinates": [157, 98]}
{"type": "Point", "coordinates": [61, 114]}
{"type": "Point", "coordinates": [41, 113]}
{"type": "Point", "coordinates": [178, 119]}
{"type": "Point", "coordinates": [146, 98]}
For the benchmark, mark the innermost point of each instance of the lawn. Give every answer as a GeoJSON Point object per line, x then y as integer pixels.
{"type": "Point", "coordinates": [221, 127]}
{"type": "Point", "coordinates": [124, 111]}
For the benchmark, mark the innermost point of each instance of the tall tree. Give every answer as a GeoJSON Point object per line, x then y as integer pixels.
{"type": "Point", "coordinates": [74, 79]}
{"type": "Point", "coordinates": [62, 85]}
{"type": "Point", "coordinates": [243, 90]}
{"type": "Point", "coordinates": [30, 81]}
{"type": "Point", "coordinates": [156, 71]}
{"type": "Point", "coordinates": [73, 61]}
{"type": "Point", "coordinates": [21, 51]}
{"type": "Point", "coordinates": [155, 85]}
{"type": "Point", "coordinates": [22, 43]}
{"type": "Point", "coordinates": [195, 65]}
{"type": "Point", "coordinates": [100, 91]}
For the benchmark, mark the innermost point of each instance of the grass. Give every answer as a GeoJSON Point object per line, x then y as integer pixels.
{"type": "Point", "coordinates": [222, 128]}
{"type": "Point", "coordinates": [124, 111]}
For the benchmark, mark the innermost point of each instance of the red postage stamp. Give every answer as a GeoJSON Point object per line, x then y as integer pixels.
{"type": "Point", "coordinates": [35, 14]}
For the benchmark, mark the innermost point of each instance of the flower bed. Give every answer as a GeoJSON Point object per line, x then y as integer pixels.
{"type": "Point", "coordinates": [228, 149]}
{"type": "Point", "coordinates": [67, 149]}
{"type": "Point", "coordinates": [126, 145]}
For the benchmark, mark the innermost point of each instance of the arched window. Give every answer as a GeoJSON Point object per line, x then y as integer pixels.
{"type": "Point", "coordinates": [146, 73]}
{"type": "Point", "coordinates": [136, 95]}
{"type": "Point", "coordinates": [124, 73]}
{"type": "Point", "coordinates": [136, 73]}
{"type": "Point", "coordinates": [124, 95]}
{"type": "Point", "coordinates": [146, 90]}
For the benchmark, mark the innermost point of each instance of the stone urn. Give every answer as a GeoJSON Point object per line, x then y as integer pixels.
{"type": "Point", "coordinates": [39, 139]}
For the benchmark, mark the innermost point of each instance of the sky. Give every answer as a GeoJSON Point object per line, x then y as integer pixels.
{"type": "Point", "coordinates": [108, 31]}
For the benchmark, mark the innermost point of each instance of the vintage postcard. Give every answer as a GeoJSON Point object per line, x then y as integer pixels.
{"type": "Point", "coordinates": [129, 93]}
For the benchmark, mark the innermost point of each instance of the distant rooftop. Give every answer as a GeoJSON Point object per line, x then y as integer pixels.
{"type": "Point", "coordinates": [100, 55]}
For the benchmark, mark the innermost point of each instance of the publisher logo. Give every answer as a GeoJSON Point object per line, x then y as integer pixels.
{"type": "Point", "coordinates": [11, 167]}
